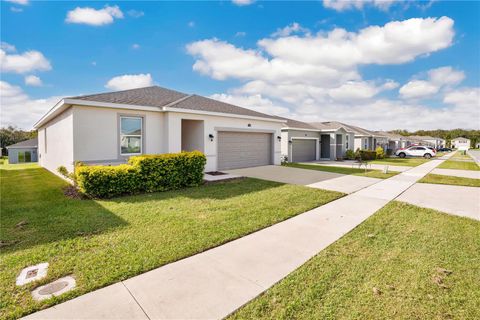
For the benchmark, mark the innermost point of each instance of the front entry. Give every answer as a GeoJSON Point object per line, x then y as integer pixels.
{"type": "Point", "coordinates": [325, 146]}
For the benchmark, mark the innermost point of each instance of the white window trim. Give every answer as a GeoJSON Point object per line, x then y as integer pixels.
{"type": "Point", "coordinates": [131, 135]}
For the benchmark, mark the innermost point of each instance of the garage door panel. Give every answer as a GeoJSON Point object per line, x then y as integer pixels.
{"type": "Point", "coordinates": [244, 149]}
{"type": "Point", "coordinates": [304, 150]}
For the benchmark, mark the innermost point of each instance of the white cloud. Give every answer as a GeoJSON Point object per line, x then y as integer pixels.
{"type": "Point", "coordinates": [22, 63]}
{"type": "Point", "coordinates": [240, 34]}
{"type": "Point", "coordinates": [290, 29]}
{"type": "Point", "coordinates": [135, 46]}
{"type": "Point", "coordinates": [317, 77]}
{"type": "Point", "coordinates": [93, 16]}
{"type": "Point", "coordinates": [243, 2]}
{"type": "Point", "coordinates": [33, 81]}
{"type": "Point", "coordinates": [7, 47]}
{"type": "Point", "coordinates": [467, 99]}
{"type": "Point", "coordinates": [19, 2]}
{"type": "Point", "coordinates": [438, 79]}
{"type": "Point", "coordinates": [130, 81]}
{"type": "Point", "coordinates": [342, 5]}
{"type": "Point", "coordinates": [19, 109]}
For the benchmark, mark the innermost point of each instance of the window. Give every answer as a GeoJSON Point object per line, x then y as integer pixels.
{"type": "Point", "coordinates": [21, 156]}
{"type": "Point", "coordinates": [365, 144]}
{"type": "Point", "coordinates": [346, 141]}
{"type": "Point", "coordinates": [130, 135]}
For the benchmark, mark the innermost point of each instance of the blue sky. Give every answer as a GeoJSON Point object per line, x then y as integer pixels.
{"type": "Point", "coordinates": [213, 49]}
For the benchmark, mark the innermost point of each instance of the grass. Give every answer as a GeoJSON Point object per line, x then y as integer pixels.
{"type": "Point", "coordinates": [103, 242]}
{"type": "Point", "coordinates": [460, 156]}
{"type": "Point", "coordinates": [457, 181]}
{"type": "Point", "coordinates": [401, 251]}
{"type": "Point", "coordinates": [343, 170]}
{"type": "Point", "coordinates": [406, 162]}
{"type": "Point", "coordinates": [460, 165]}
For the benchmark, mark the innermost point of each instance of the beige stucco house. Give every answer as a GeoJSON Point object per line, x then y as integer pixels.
{"type": "Point", "coordinates": [461, 143]}
{"type": "Point", "coordinates": [107, 128]}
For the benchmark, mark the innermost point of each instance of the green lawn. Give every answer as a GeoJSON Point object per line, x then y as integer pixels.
{"type": "Point", "coordinates": [403, 252]}
{"type": "Point", "coordinates": [461, 165]}
{"type": "Point", "coordinates": [102, 242]}
{"type": "Point", "coordinates": [344, 170]}
{"type": "Point", "coordinates": [458, 181]}
{"type": "Point", "coordinates": [406, 162]}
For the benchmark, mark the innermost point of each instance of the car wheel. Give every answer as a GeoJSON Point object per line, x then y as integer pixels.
{"type": "Point", "coordinates": [427, 156]}
{"type": "Point", "coordinates": [402, 155]}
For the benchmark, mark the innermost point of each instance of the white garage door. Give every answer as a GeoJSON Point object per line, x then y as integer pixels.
{"type": "Point", "coordinates": [304, 150]}
{"type": "Point", "coordinates": [244, 149]}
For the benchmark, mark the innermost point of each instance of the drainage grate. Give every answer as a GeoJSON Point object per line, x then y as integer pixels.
{"type": "Point", "coordinates": [32, 273]}
{"type": "Point", "coordinates": [54, 288]}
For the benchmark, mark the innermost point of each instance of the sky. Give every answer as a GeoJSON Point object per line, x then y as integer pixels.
{"type": "Point", "coordinates": [381, 65]}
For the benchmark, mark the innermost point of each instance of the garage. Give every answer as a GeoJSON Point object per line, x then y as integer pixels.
{"type": "Point", "coordinates": [304, 150]}
{"type": "Point", "coordinates": [244, 149]}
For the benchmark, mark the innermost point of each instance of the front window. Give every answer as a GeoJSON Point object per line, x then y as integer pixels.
{"type": "Point", "coordinates": [131, 131]}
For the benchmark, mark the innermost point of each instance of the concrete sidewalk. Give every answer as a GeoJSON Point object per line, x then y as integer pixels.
{"type": "Point", "coordinates": [352, 164]}
{"type": "Point", "coordinates": [215, 283]}
{"type": "Point", "coordinates": [457, 173]}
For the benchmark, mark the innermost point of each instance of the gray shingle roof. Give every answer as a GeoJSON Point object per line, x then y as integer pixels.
{"type": "Point", "coordinates": [297, 124]}
{"type": "Point", "coordinates": [161, 97]}
{"type": "Point", "coordinates": [31, 143]}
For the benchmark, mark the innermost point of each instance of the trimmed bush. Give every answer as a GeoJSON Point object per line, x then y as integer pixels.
{"type": "Point", "coordinates": [169, 171]}
{"type": "Point", "coordinates": [380, 153]}
{"type": "Point", "coordinates": [146, 173]}
{"type": "Point", "coordinates": [367, 155]}
{"type": "Point", "coordinates": [107, 181]}
{"type": "Point", "coordinates": [349, 155]}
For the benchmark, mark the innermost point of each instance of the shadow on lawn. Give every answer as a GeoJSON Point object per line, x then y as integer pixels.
{"type": "Point", "coordinates": [35, 211]}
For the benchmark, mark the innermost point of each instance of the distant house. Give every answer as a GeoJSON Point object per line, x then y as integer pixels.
{"type": "Point", "coordinates": [25, 151]}
{"type": "Point", "coordinates": [461, 143]}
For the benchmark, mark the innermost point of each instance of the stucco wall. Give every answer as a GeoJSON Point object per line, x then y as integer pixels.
{"type": "Point", "coordinates": [213, 124]}
{"type": "Point", "coordinates": [57, 150]}
{"type": "Point", "coordinates": [192, 133]}
{"type": "Point", "coordinates": [96, 133]}
{"type": "Point", "coordinates": [13, 154]}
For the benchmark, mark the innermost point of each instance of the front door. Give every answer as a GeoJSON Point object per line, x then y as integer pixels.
{"type": "Point", "coordinates": [325, 146]}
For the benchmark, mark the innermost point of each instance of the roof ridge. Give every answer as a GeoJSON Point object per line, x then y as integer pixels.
{"type": "Point", "coordinates": [126, 90]}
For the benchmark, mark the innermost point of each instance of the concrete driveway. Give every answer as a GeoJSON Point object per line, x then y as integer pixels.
{"type": "Point", "coordinates": [457, 200]}
{"type": "Point", "coordinates": [285, 174]}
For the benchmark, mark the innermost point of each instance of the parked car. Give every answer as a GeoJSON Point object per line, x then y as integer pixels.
{"type": "Point", "coordinates": [444, 150]}
{"type": "Point", "coordinates": [416, 151]}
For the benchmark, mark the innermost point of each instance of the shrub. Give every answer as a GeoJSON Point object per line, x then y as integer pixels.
{"type": "Point", "coordinates": [63, 171]}
{"type": "Point", "coordinates": [107, 181]}
{"type": "Point", "coordinates": [379, 152]}
{"type": "Point", "coordinates": [349, 155]}
{"type": "Point", "coordinates": [146, 173]}
{"type": "Point", "coordinates": [170, 171]}
{"type": "Point", "coordinates": [367, 155]}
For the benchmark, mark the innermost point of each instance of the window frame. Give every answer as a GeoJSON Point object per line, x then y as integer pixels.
{"type": "Point", "coordinates": [120, 135]}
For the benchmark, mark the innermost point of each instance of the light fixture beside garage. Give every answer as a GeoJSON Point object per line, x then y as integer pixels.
{"type": "Point", "coordinates": [211, 137]}
{"type": "Point", "coordinates": [279, 138]}
{"type": "Point", "coordinates": [249, 125]}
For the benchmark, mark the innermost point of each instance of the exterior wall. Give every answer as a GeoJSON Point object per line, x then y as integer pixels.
{"type": "Point", "coordinates": [462, 143]}
{"type": "Point", "coordinates": [13, 154]}
{"type": "Point", "coordinates": [57, 149]}
{"type": "Point", "coordinates": [214, 124]}
{"type": "Point", "coordinates": [192, 135]}
{"type": "Point", "coordinates": [360, 143]}
{"type": "Point", "coordinates": [96, 133]}
{"type": "Point", "coordinates": [298, 134]}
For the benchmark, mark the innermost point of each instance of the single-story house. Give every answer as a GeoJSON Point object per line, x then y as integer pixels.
{"type": "Point", "coordinates": [394, 141]}
{"type": "Point", "coordinates": [428, 141]}
{"type": "Point", "coordinates": [461, 143]}
{"type": "Point", "coordinates": [24, 151]}
{"type": "Point", "coordinates": [303, 141]}
{"type": "Point", "coordinates": [108, 128]}
{"type": "Point", "coordinates": [364, 139]}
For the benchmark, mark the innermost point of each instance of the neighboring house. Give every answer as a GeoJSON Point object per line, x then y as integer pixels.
{"type": "Point", "coordinates": [107, 128]}
{"type": "Point", "coordinates": [363, 139]}
{"type": "Point", "coordinates": [430, 141]}
{"type": "Point", "coordinates": [395, 141]}
{"type": "Point", "coordinates": [315, 141]}
{"type": "Point", "coordinates": [461, 143]}
{"type": "Point", "coordinates": [25, 151]}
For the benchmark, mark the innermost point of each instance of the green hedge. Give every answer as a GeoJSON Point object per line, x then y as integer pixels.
{"type": "Point", "coordinates": [367, 155]}
{"type": "Point", "coordinates": [146, 173]}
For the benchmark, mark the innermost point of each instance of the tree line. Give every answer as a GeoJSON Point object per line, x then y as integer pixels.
{"type": "Point", "coordinates": [11, 135]}
{"type": "Point", "coordinates": [448, 135]}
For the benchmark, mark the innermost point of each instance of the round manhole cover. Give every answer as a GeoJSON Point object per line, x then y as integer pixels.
{"type": "Point", "coordinates": [54, 287]}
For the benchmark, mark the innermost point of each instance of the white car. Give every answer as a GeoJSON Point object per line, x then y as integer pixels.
{"type": "Point", "coordinates": [416, 151]}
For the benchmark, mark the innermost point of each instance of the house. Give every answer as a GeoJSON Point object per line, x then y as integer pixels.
{"type": "Point", "coordinates": [364, 139]}
{"type": "Point", "coordinates": [429, 141]}
{"type": "Point", "coordinates": [303, 141]}
{"type": "Point", "coordinates": [25, 151]}
{"type": "Point", "coordinates": [395, 141]}
{"type": "Point", "coordinates": [461, 143]}
{"type": "Point", "coordinates": [108, 128]}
